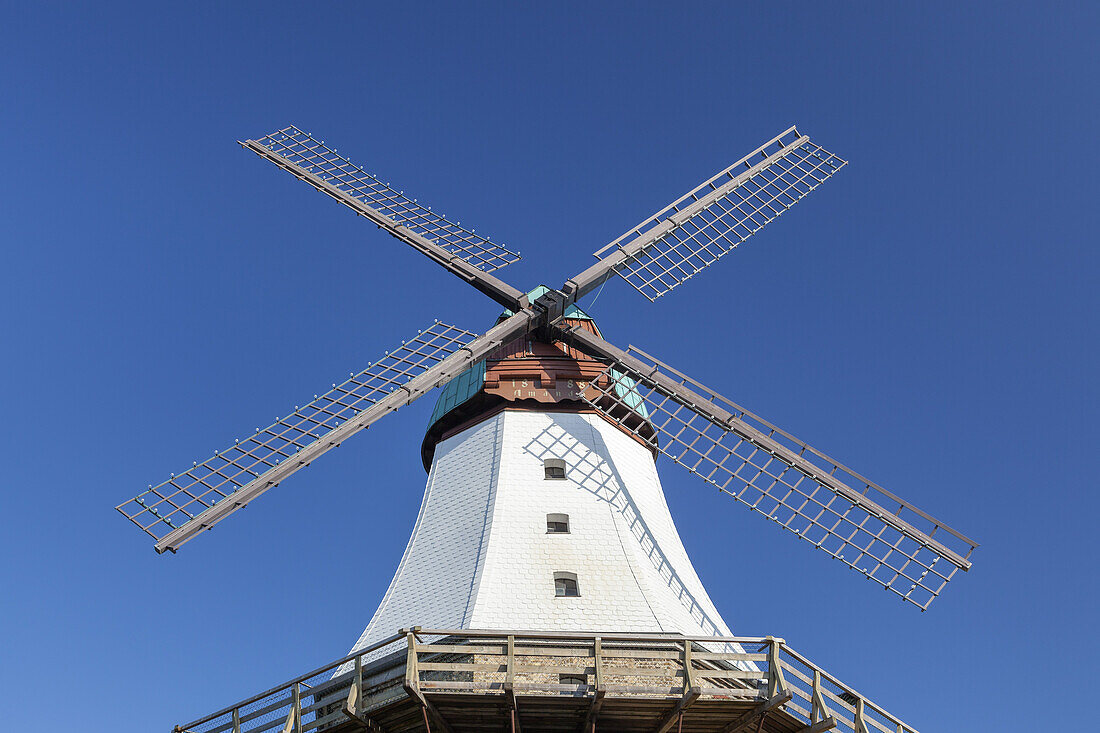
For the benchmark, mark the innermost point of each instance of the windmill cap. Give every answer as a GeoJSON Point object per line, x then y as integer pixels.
{"type": "Point", "coordinates": [466, 385]}
{"type": "Point", "coordinates": [479, 392]}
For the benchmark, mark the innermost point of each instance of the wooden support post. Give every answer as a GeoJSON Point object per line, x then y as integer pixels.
{"type": "Point", "coordinates": [597, 658]}
{"type": "Point", "coordinates": [298, 706]}
{"type": "Point", "coordinates": [821, 717]}
{"type": "Point", "coordinates": [691, 694]}
{"type": "Point", "coordinates": [776, 684]}
{"type": "Point", "coordinates": [412, 676]}
{"type": "Point", "coordinates": [689, 680]}
{"type": "Point", "coordinates": [351, 705]}
{"type": "Point", "coordinates": [359, 678]}
{"type": "Point", "coordinates": [236, 720]}
{"type": "Point", "coordinates": [861, 725]}
{"type": "Point", "coordinates": [510, 666]}
{"type": "Point", "coordinates": [350, 710]}
{"type": "Point", "coordinates": [293, 718]}
{"type": "Point", "coordinates": [589, 725]}
{"type": "Point", "coordinates": [509, 682]}
{"type": "Point", "coordinates": [354, 701]}
{"type": "Point", "coordinates": [412, 684]}
{"type": "Point", "coordinates": [818, 709]}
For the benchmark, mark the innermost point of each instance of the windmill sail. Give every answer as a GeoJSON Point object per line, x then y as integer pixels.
{"type": "Point", "coordinates": [821, 501]}
{"type": "Point", "coordinates": [467, 254]}
{"type": "Point", "coordinates": [173, 506]}
{"type": "Point", "coordinates": [708, 222]}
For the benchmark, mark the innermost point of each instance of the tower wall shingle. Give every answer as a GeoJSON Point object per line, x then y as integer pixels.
{"type": "Point", "coordinates": [480, 555]}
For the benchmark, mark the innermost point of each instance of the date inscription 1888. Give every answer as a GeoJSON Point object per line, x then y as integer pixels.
{"type": "Point", "coordinates": [537, 389]}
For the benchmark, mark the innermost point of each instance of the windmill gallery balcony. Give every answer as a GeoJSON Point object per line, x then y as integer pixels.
{"type": "Point", "coordinates": [466, 680]}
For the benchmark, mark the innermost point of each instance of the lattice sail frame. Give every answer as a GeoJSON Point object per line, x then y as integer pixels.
{"type": "Point", "coordinates": [170, 505]}
{"type": "Point", "coordinates": [915, 564]}
{"type": "Point", "coordinates": [708, 222]}
{"type": "Point", "coordinates": [303, 150]}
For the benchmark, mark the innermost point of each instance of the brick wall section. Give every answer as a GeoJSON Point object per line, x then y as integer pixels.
{"type": "Point", "coordinates": [480, 556]}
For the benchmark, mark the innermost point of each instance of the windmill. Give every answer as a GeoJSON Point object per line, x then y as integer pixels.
{"type": "Point", "coordinates": [541, 416]}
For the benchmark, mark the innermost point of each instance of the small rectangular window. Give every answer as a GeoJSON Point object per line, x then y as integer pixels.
{"type": "Point", "coordinates": [554, 468]}
{"type": "Point", "coordinates": [572, 679]}
{"type": "Point", "coordinates": [557, 524]}
{"type": "Point", "coordinates": [565, 585]}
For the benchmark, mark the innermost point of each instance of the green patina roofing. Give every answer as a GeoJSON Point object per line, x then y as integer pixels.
{"type": "Point", "coordinates": [627, 389]}
{"type": "Point", "coordinates": [458, 390]}
{"type": "Point", "coordinates": [469, 383]}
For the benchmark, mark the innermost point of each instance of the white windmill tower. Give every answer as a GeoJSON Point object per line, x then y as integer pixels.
{"type": "Point", "coordinates": [543, 512]}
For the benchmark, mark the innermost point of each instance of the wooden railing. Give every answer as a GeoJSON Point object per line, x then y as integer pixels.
{"type": "Point", "coordinates": [415, 664]}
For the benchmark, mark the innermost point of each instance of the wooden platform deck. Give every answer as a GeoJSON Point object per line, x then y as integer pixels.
{"type": "Point", "coordinates": [454, 681]}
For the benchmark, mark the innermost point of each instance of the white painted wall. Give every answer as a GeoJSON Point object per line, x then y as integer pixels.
{"type": "Point", "coordinates": [480, 556]}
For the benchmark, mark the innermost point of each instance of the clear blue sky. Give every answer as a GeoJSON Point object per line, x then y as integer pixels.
{"type": "Point", "coordinates": [929, 316]}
